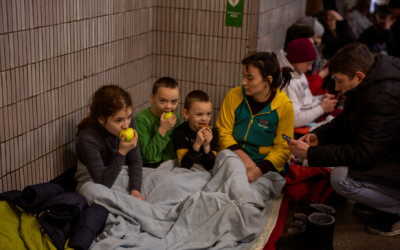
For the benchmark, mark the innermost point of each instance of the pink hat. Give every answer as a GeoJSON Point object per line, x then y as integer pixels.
{"type": "Point", "coordinates": [301, 50]}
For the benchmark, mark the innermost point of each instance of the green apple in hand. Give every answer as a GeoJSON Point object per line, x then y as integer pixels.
{"type": "Point", "coordinates": [168, 115]}
{"type": "Point", "coordinates": [129, 134]}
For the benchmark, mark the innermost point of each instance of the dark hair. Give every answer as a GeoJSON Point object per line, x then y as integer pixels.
{"type": "Point", "coordinates": [394, 4]}
{"type": "Point", "coordinates": [106, 101]}
{"type": "Point", "coordinates": [166, 82]}
{"type": "Point", "coordinates": [297, 31]}
{"type": "Point", "coordinates": [350, 59]}
{"type": "Point", "coordinates": [268, 64]}
{"type": "Point", "coordinates": [196, 96]}
{"type": "Point", "coordinates": [322, 17]}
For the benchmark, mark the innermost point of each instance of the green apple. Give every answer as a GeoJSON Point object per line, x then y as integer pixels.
{"type": "Point", "coordinates": [168, 115]}
{"type": "Point", "coordinates": [129, 134]}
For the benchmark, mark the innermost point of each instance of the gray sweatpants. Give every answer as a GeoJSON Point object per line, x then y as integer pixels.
{"type": "Point", "coordinates": [379, 197]}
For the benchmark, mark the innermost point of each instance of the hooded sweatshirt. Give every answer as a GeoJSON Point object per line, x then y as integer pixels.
{"type": "Point", "coordinates": [306, 107]}
{"type": "Point", "coordinates": [365, 137]}
{"type": "Point", "coordinates": [259, 135]}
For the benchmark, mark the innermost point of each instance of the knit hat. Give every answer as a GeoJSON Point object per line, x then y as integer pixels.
{"type": "Point", "coordinates": [318, 28]}
{"type": "Point", "coordinates": [301, 50]}
{"type": "Point", "coordinates": [313, 23]}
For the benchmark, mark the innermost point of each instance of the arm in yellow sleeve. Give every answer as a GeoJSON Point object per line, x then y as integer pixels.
{"type": "Point", "coordinates": [280, 152]}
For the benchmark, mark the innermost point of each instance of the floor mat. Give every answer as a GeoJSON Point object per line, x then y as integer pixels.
{"type": "Point", "coordinates": [280, 224]}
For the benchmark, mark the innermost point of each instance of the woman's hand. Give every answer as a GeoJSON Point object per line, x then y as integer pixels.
{"type": "Point", "coordinates": [137, 194]}
{"type": "Point", "coordinates": [247, 161]}
{"type": "Point", "coordinates": [125, 147]}
{"type": "Point", "coordinates": [253, 174]}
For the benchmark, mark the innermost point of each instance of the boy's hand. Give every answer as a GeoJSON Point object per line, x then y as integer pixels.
{"type": "Point", "coordinates": [207, 135]}
{"type": "Point", "coordinates": [137, 194]}
{"type": "Point", "coordinates": [200, 138]}
{"type": "Point", "coordinates": [125, 147]}
{"type": "Point", "coordinates": [166, 125]}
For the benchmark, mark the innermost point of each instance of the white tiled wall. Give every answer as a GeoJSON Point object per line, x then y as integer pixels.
{"type": "Point", "coordinates": [55, 53]}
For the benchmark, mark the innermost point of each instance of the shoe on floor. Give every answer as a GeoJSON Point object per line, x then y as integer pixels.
{"type": "Point", "coordinates": [364, 209]}
{"type": "Point", "coordinates": [385, 225]}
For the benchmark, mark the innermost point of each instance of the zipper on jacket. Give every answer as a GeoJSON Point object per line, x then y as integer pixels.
{"type": "Point", "coordinates": [251, 121]}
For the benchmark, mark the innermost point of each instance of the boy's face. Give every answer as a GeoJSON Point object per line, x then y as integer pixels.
{"type": "Point", "coordinates": [118, 122]}
{"type": "Point", "coordinates": [199, 112]}
{"type": "Point", "coordinates": [165, 100]}
{"type": "Point", "coordinates": [302, 67]}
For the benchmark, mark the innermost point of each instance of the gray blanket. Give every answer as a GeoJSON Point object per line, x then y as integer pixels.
{"type": "Point", "coordinates": [184, 208]}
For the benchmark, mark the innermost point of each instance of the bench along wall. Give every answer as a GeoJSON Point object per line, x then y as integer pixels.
{"type": "Point", "coordinates": [54, 54]}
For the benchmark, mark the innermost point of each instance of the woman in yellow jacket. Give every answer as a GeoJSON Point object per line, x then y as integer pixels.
{"type": "Point", "coordinates": [253, 117]}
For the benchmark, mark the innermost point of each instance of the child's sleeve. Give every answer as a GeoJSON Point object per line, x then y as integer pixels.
{"type": "Point", "coordinates": [208, 160]}
{"type": "Point", "coordinates": [134, 161]}
{"type": "Point", "coordinates": [150, 148]}
{"type": "Point", "coordinates": [89, 150]}
{"type": "Point", "coordinates": [184, 151]}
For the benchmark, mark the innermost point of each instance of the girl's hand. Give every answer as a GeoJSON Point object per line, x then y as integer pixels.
{"type": "Point", "coordinates": [125, 147]}
{"type": "Point", "coordinates": [311, 139]}
{"type": "Point", "coordinates": [166, 125]}
{"type": "Point", "coordinates": [137, 194]}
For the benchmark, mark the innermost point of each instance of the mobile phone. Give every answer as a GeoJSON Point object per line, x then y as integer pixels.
{"type": "Point", "coordinates": [287, 138]}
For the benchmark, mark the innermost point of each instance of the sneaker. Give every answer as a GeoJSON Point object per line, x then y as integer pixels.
{"type": "Point", "coordinates": [364, 209]}
{"type": "Point", "coordinates": [388, 225]}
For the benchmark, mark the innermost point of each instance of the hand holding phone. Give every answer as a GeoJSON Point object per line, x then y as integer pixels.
{"type": "Point", "coordinates": [287, 138]}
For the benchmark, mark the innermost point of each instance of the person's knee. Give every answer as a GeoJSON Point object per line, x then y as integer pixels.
{"type": "Point", "coordinates": [340, 182]}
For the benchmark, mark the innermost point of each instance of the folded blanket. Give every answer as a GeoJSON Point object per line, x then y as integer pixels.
{"type": "Point", "coordinates": [185, 208]}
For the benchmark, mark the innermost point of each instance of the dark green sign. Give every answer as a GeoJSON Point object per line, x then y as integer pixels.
{"type": "Point", "coordinates": [234, 13]}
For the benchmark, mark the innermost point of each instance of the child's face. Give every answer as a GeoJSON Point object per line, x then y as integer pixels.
{"type": "Point", "coordinates": [120, 121]}
{"type": "Point", "coordinates": [302, 67]}
{"type": "Point", "coordinates": [165, 100]}
{"type": "Point", "coordinates": [199, 112]}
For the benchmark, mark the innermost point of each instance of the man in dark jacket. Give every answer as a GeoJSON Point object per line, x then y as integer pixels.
{"type": "Point", "coordinates": [365, 137]}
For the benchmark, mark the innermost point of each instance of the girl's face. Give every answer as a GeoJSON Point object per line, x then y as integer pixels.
{"type": "Point", "coordinates": [165, 100]}
{"type": "Point", "coordinates": [253, 83]}
{"type": "Point", "coordinates": [118, 122]}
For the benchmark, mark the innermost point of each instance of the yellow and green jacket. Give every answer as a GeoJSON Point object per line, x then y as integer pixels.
{"type": "Point", "coordinates": [259, 135]}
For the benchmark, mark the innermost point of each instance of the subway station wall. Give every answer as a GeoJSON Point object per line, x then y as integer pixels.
{"type": "Point", "coordinates": [55, 53]}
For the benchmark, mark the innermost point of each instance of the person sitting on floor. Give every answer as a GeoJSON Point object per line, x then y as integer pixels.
{"type": "Point", "coordinates": [365, 138]}
{"type": "Point", "coordinates": [307, 108]}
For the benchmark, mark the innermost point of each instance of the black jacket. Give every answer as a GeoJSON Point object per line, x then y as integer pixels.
{"type": "Point", "coordinates": [366, 135]}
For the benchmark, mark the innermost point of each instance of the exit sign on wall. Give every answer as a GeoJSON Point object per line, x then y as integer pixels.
{"type": "Point", "coordinates": [234, 13]}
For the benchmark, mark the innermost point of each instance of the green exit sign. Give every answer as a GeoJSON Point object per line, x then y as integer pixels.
{"type": "Point", "coordinates": [234, 13]}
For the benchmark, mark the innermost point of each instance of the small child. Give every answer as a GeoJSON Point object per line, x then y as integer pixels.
{"type": "Point", "coordinates": [196, 141]}
{"type": "Point", "coordinates": [98, 146]}
{"type": "Point", "coordinates": [155, 131]}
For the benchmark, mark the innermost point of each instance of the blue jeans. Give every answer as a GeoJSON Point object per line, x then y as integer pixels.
{"type": "Point", "coordinates": [376, 196]}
